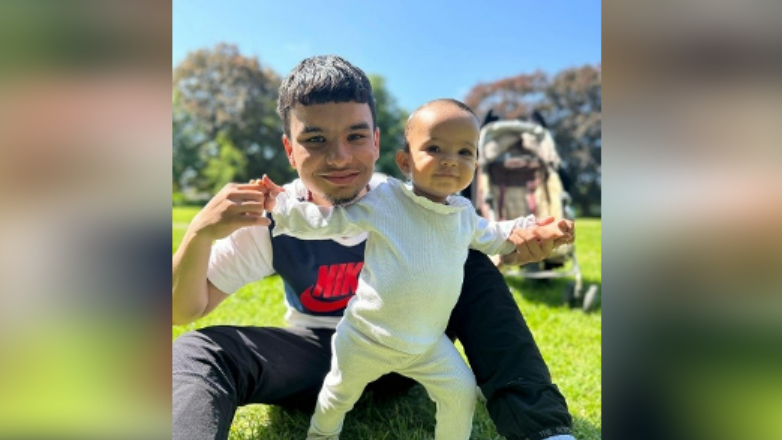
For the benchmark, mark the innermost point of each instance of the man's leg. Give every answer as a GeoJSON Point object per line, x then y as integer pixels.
{"type": "Point", "coordinates": [508, 366]}
{"type": "Point", "coordinates": [217, 369]}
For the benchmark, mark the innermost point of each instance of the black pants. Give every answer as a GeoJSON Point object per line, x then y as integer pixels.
{"type": "Point", "coordinates": [217, 369]}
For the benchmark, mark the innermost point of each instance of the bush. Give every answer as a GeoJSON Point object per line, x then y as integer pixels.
{"type": "Point", "coordinates": [178, 199]}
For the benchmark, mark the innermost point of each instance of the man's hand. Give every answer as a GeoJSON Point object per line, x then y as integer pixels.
{"type": "Point", "coordinates": [536, 243]}
{"type": "Point", "coordinates": [237, 205]}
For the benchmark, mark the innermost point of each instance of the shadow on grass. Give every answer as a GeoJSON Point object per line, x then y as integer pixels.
{"type": "Point", "coordinates": [410, 416]}
{"type": "Point", "coordinates": [584, 430]}
{"type": "Point", "coordinates": [552, 292]}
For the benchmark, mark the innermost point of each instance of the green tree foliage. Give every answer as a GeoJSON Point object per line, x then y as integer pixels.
{"type": "Point", "coordinates": [571, 104]}
{"type": "Point", "coordinates": [187, 139]}
{"type": "Point", "coordinates": [229, 164]}
{"type": "Point", "coordinates": [226, 104]}
{"type": "Point", "coordinates": [226, 127]}
{"type": "Point", "coordinates": [391, 121]}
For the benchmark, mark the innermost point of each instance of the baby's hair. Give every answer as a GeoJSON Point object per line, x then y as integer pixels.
{"type": "Point", "coordinates": [439, 101]}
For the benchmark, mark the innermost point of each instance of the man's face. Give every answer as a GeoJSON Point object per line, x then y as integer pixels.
{"type": "Point", "coordinates": [334, 149]}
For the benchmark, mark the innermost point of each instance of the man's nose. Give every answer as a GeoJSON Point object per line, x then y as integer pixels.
{"type": "Point", "coordinates": [339, 154]}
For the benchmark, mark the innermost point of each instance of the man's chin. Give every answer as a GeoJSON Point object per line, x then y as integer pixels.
{"type": "Point", "coordinates": [341, 200]}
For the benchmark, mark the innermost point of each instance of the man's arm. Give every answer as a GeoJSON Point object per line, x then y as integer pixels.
{"type": "Point", "coordinates": [234, 207]}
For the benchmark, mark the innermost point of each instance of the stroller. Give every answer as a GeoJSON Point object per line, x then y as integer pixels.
{"type": "Point", "coordinates": [517, 176]}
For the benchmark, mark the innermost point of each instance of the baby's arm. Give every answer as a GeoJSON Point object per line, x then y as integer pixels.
{"type": "Point", "coordinates": [308, 221]}
{"type": "Point", "coordinates": [492, 237]}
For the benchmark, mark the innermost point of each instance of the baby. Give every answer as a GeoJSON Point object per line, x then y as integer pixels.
{"type": "Point", "coordinates": [418, 238]}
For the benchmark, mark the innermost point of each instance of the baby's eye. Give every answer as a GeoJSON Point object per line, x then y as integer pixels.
{"type": "Point", "coordinates": [433, 149]}
{"type": "Point", "coordinates": [466, 152]}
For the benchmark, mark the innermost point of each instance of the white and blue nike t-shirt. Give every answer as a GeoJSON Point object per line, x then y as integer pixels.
{"type": "Point", "coordinates": [320, 276]}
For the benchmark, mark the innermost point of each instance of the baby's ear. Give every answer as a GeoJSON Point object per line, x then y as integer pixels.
{"type": "Point", "coordinates": [403, 162]}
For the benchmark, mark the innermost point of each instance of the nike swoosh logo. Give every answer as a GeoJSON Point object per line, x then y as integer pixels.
{"type": "Point", "coordinates": [320, 306]}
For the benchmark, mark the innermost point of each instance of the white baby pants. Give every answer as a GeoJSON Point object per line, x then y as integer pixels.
{"type": "Point", "coordinates": [358, 360]}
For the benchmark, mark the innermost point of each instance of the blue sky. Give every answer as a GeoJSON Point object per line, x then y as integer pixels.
{"type": "Point", "coordinates": [424, 49]}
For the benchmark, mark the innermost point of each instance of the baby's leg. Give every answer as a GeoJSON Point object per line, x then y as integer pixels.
{"type": "Point", "coordinates": [355, 363]}
{"type": "Point", "coordinates": [451, 384]}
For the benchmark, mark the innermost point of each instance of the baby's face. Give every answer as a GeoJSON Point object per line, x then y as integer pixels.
{"type": "Point", "coordinates": [443, 153]}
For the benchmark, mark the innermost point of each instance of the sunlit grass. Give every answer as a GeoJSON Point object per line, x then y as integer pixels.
{"type": "Point", "coordinates": [569, 339]}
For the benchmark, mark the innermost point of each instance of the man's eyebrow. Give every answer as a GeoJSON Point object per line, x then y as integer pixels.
{"type": "Point", "coordinates": [311, 129]}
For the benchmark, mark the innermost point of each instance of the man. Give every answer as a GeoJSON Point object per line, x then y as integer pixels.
{"type": "Point", "coordinates": [331, 138]}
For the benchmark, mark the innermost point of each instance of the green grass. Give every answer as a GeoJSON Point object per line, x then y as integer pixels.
{"type": "Point", "coordinates": [569, 339]}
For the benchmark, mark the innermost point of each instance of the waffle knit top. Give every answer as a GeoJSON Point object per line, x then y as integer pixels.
{"type": "Point", "coordinates": [414, 257]}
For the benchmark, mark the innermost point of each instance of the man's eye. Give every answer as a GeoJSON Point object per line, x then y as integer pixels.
{"type": "Point", "coordinates": [315, 139]}
{"type": "Point", "coordinates": [356, 137]}
{"type": "Point", "coordinates": [433, 149]}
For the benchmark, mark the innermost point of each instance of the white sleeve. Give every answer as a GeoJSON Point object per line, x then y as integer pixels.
{"type": "Point", "coordinates": [241, 258]}
{"type": "Point", "coordinates": [308, 221]}
{"type": "Point", "coordinates": [492, 237]}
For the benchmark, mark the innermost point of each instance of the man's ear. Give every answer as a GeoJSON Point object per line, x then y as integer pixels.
{"type": "Point", "coordinates": [288, 150]}
{"type": "Point", "coordinates": [377, 143]}
{"type": "Point", "coordinates": [403, 162]}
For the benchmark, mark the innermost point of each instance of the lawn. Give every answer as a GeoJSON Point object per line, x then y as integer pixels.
{"type": "Point", "coordinates": [569, 339]}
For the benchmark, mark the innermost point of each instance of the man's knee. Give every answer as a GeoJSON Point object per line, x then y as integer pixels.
{"type": "Point", "coordinates": [195, 352]}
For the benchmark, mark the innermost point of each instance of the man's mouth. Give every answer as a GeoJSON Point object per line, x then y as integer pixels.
{"type": "Point", "coordinates": [341, 178]}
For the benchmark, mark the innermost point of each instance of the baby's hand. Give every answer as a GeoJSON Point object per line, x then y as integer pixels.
{"type": "Point", "coordinates": [563, 232]}
{"type": "Point", "coordinates": [567, 227]}
{"type": "Point", "coordinates": [269, 189]}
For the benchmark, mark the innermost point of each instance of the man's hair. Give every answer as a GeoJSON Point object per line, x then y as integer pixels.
{"type": "Point", "coordinates": [440, 101]}
{"type": "Point", "coordinates": [324, 79]}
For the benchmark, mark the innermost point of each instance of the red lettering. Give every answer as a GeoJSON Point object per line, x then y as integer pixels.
{"type": "Point", "coordinates": [351, 277]}
{"type": "Point", "coordinates": [337, 287]}
{"type": "Point", "coordinates": [326, 279]}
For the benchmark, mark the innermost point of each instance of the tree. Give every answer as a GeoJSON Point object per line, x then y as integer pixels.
{"type": "Point", "coordinates": [575, 114]}
{"type": "Point", "coordinates": [187, 138]}
{"type": "Point", "coordinates": [229, 163]}
{"type": "Point", "coordinates": [391, 121]}
{"type": "Point", "coordinates": [512, 98]}
{"type": "Point", "coordinates": [571, 104]}
{"type": "Point", "coordinates": [231, 99]}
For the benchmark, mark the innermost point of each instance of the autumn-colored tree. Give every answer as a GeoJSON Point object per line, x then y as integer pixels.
{"type": "Point", "coordinates": [232, 100]}
{"type": "Point", "coordinates": [512, 98]}
{"type": "Point", "coordinates": [575, 117]}
{"type": "Point", "coordinates": [571, 105]}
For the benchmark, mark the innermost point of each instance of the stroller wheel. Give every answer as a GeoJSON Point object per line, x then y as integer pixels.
{"type": "Point", "coordinates": [590, 298]}
{"type": "Point", "coordinates": [572, 295]}
{"type": "Point", "coordinates": [552, 264]}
